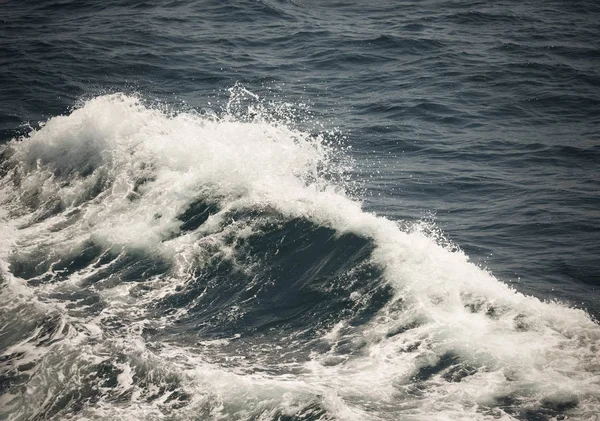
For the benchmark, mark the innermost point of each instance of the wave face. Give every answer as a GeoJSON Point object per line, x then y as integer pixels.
{"type": "Point", "coordinates": [164, 265]}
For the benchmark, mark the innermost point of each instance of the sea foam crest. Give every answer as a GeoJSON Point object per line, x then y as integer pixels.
{"type": "Point", "coordinates": [452, 342]}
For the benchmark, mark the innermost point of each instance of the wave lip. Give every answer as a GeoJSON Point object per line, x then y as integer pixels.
{"type": "Point", "coordinates": [176, 257]}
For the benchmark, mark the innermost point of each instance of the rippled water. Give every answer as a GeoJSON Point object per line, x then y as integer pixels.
{"type": "Point", "coordinates": [295, 210]}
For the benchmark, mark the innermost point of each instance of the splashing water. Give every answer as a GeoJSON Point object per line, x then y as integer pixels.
{"type": "Point", "coordinates": [164, 265]}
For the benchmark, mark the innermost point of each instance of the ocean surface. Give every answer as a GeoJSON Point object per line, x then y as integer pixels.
{"type": "Point", "coordinates": [299, 210]}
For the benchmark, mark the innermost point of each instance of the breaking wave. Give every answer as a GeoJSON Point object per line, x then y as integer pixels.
{"type": "Point", "coordinates": [159, 265]}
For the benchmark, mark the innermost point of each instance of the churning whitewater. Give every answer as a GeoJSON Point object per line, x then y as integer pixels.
{"type": "Point", "coordinates": [160, 265]}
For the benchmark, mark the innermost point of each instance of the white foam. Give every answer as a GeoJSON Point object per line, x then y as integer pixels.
{"type": "Point", "coordinates": [145, 167]}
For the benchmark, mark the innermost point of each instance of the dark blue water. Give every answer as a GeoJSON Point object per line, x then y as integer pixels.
{"type": "Point", "coordinates": [299, 210]}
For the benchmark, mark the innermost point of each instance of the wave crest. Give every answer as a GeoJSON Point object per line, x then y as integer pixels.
{"type": "Point", "coordinates": [175, 247]}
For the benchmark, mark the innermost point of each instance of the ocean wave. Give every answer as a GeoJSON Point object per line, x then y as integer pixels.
{"type": "Point", "coordinates": [183, 265]}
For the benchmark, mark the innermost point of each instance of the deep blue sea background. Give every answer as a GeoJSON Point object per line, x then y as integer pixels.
{"type": "Point", "coordinates": [480, 118]}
